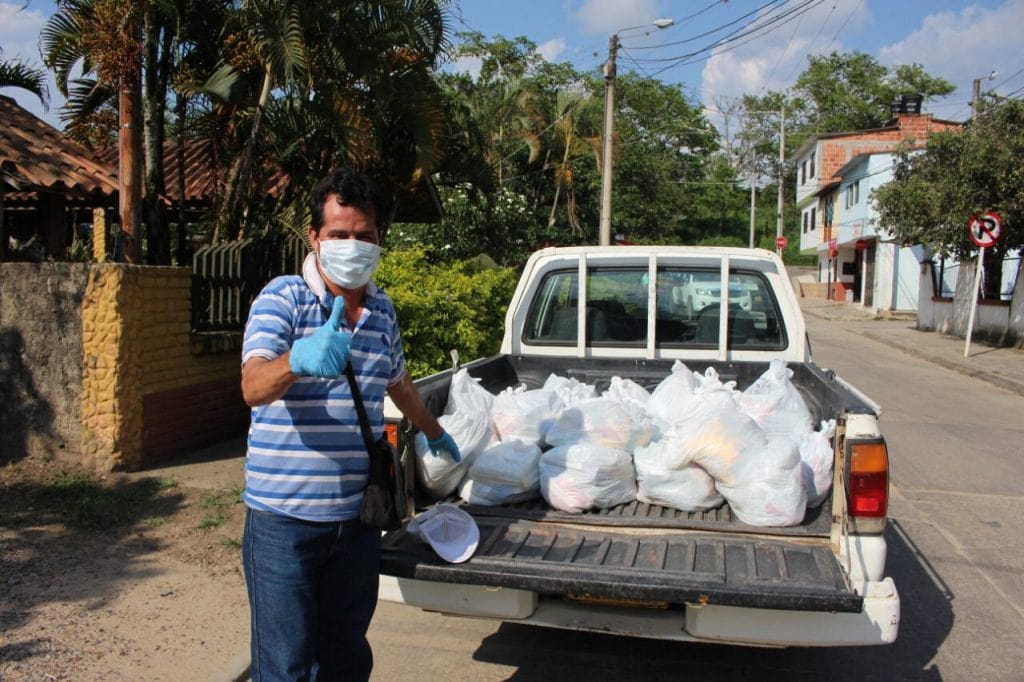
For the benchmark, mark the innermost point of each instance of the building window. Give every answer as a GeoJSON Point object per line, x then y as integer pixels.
{"type": "Point", "coordinates": [853, 194]}
{"type": "Point", "coordinates": [803, 173]}
{"type": "Point", "coordinates": [810, 172]}
{"type": "Point", "coordinates": [805, 222]}
{"type": "Point", "coordinates": [814, 218]}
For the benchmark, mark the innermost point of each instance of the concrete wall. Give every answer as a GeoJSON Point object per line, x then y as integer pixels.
{"type": "Point", "coordinates": [40, 358]}
{"type": "Point", "coordinates": [99, 361]}
{"type": "Point", "coordinates": [996, 322]}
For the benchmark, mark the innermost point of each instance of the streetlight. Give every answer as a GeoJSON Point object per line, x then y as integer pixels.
{"type": "Point", "coordinates": [609, 128]}
{"type": "Point", "coordinates": [976, 95]}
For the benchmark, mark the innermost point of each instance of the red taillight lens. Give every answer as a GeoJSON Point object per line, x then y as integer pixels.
{"type": "Point", "coordinates": [391, 432]}
{"type": "Point", "coordinates": [869, 480]}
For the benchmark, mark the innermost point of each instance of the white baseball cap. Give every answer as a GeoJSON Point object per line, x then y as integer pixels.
{"type": "Point", "coordinates": [451, 531]}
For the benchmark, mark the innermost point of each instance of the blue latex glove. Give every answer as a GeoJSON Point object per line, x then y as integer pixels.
{"type": "Point", "coordinates": [325, 353]}
{"type": "Point", "coordinates": [445, 444]}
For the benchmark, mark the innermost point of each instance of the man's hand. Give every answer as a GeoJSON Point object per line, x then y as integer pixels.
{"type": "Point", "coordinates": [325, 353]}
{"type": "Point", "coordinates": [445, 444]}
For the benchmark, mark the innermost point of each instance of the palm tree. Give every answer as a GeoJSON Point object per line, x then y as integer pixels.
{"type": "Point", "coordinates": [106, 38]}
{"type": "Point", "coordinates": [575, 129]}
{"type": "Point", "coordinates": [17, 74]}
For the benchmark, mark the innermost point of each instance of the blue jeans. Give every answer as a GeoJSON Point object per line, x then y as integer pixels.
{"type": "Point", "coordinates": [312, 592]}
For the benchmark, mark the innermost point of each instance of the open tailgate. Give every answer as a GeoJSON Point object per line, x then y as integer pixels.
{"type": "Point", "coordinates": [657, 565]}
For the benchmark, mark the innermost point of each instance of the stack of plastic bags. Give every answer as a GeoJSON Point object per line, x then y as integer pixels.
{"type": "Point", "coordinates": [692, 443]}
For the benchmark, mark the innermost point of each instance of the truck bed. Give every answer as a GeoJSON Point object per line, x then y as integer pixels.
{"type": "Point", "coordinates": [638, 551]}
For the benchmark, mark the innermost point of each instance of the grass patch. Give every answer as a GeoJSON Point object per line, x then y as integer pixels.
{"type": "Point", "coordinates": [215, 504]}
{"type": "Point", "coordinates": [231, 543]}
{"type": "Point", "coordinates": [82, 501]}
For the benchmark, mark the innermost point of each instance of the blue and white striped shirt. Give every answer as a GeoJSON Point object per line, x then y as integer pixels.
{"type": "Point", "coordinates": [306, 457]}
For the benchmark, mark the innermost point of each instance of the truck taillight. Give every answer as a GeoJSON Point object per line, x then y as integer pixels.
{"type": "Point", "coordinates": [869, 480]}
{"type": "Point", "coordinates": [391, 433]}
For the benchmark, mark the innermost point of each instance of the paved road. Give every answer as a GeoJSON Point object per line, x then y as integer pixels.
{"type": "Point", "coordinates": [956, 545]}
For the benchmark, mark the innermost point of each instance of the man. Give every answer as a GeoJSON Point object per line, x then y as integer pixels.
{"type": "Point", "coordinates": [311, 567]}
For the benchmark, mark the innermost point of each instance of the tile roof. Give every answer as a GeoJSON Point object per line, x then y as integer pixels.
{"type": "Point", "coordinates": [36, 156]}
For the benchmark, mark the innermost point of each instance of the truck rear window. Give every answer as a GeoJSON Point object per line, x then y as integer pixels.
{"type": "Point", "coordinates": [688, 305]}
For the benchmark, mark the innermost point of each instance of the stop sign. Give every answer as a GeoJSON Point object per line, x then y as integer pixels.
{"type": "Point", "coordinates": [780, 242]}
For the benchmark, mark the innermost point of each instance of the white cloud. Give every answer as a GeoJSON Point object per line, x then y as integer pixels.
{"type": "Point", "coordinates": [963, 45]}
{"type": "Point", "coordinates": [19, 37]}
{"type": "Point", "coordinates": [609, 16]}
{"type": "Point", "coordinates": [774, 59]}
{"type": "Point", "coordinates": [550, 49]}
{"type": "Point", "coordinates": [470, 65]}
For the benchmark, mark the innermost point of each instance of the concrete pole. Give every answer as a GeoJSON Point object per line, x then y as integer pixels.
{"type": "Point", "coordinates": [975, 98]}
{"type": "Point", "coordinates": [753, 205]}
{"type": "Point", "coordinates": [782, 162]}
{"type": "Point", "coordinates": [605, 235]}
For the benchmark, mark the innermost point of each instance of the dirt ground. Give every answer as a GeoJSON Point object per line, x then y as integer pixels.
{"type": "Point", "coordinates": [119, 577]}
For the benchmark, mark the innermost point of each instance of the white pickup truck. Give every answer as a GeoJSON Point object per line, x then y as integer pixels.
{"type": "Point", "coordinates": [646, 570]}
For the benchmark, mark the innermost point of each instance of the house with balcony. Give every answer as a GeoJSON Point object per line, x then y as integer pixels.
{"type": "Point", "coordinates": [836, 173]}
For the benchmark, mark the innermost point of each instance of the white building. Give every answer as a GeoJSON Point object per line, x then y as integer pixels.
{"type": "Point", "coordinates": [836, 173]}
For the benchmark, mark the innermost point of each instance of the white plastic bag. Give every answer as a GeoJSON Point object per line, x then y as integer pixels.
{"type": "Point", "coordinates": [511, 463]}
{"type": "Point", "coordinates": [602, 421]}
{"type": "Point", "coordinates": [627, 391]}
{"type": "Point", "coordinates": [495, 494]}
{"type": "Point", "coordinates": [440, 475]}
{"type": "Point", "coordinates": [689, 488]}
{"type": "Point", "coordinates": [466, 396]}
{"type": "Point", "coordinates": [816, 461]}
{"type": "Point", "coordinates": [776, 404]}
{"type": "Point", "coordinates": [717, 441]}
{"type": "Point", "coordinates": [586, 476]}
{"type": "Point", "coordinates": [675, 390]}
{"type": "Point", "coordinates": [518, 414]}
{"type": "Point", "coordinates": [569, 389]}
{"type": "Point", "coordinates": [766, 486]}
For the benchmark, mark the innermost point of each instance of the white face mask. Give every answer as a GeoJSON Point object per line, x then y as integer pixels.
{"type": "Point", "coordinates": [349, 263]}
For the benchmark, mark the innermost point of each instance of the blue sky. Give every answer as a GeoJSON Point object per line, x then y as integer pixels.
{"type": "Point", "coordinates": [958, 40]}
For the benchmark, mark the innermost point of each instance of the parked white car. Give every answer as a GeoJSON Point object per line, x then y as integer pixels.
{"type": "Point", "coordinates": [705, 289]}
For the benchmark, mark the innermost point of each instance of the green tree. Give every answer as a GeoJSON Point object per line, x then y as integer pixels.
{"type": "Point", "coordinates": [16, 74]}
{"type": "Point", "coordinates": [958, 174]}
{"type": "Point", "coordinates": [853, 91]}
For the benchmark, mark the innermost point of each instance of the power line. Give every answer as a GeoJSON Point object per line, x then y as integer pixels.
{"type": "Point", "coordinates": [756, 33]}
{"type": "Point", "coordinates": [712, 31]}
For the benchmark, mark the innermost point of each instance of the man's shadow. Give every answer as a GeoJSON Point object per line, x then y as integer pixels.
{"type": "Point", "coordinates": [24, 412]}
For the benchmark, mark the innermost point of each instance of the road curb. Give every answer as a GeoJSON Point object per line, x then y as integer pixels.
{"type": "Point", "coordinates": [984, 375]}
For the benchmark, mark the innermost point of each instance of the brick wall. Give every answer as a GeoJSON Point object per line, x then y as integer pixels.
{"type": "Point", "coordinates": [149, 390]}
{"type": "Point", "coordinates": [835, 152]}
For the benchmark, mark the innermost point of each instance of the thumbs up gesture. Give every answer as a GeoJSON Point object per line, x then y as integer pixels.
{"type": "Point", "coordinates": [325, 353]}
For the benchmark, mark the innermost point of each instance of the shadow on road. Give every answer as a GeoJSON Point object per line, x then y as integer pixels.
{"type": "Point", "coordinates": [926, 620]}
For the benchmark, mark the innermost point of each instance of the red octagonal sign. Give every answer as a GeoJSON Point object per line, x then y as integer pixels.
{"type": "Point", "coordinates": [780, 242]}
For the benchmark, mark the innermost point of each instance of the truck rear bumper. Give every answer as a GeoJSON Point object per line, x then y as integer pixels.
{"type": "Point", "coordinates": [876, 623]}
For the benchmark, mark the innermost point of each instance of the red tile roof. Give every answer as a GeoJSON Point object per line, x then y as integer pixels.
{"type": "Point", "coordinates": [36, 156]}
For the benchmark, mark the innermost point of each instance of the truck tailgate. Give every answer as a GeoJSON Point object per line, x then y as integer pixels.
{"type": "Point", "coordinates": [673, 566]}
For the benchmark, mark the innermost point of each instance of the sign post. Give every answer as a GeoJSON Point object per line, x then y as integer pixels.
{"type": "Point", "coordinates": [984, 230]}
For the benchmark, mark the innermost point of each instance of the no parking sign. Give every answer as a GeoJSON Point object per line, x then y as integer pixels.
{"type": "Point", "coordinates": [985, 229]}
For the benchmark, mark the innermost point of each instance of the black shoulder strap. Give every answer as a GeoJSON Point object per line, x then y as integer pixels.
{"type": "Point", "coordinates": [357, 398]}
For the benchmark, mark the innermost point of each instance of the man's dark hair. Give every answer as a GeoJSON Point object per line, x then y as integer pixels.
{"type": "Point", "coordinates": [351, 188]}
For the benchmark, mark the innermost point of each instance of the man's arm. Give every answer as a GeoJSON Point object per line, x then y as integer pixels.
{"type": "Point", "coordinates": [407, 399]}
{"type": "Point", "coordinates": [264, 381]}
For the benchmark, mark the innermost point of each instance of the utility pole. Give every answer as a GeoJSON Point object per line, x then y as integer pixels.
{"type": "Point", "coordinates": [976, 94]}
{"type": "Point", "coordinates": [753, 204]}
{"type": "Point", "coordinates": [782, 163]}
{"type": "Point", "coordinates": [605, 233]}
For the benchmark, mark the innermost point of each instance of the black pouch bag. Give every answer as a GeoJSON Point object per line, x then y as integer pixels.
{"type": "Point", "coordinates": [384, 497]}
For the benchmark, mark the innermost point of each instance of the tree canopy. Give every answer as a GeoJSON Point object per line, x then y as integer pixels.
{"type": "Point", "coordinates": [958, 174]}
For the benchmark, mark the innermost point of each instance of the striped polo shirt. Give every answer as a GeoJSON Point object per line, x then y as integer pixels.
{"type": "Point", "coordinates": [306, 458]}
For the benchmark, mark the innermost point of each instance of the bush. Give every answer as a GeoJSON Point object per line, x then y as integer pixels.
{"type": "Point", "coordinates": [442, 307]}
